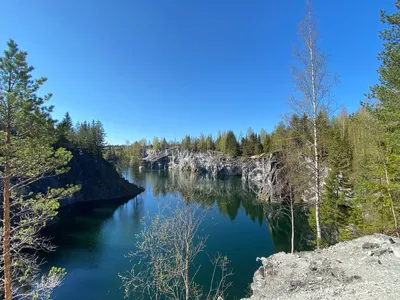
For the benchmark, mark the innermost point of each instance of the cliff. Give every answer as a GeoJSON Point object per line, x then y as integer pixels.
{"type": "Point", "coordinates": [262, 171]}
{"type": "Point", "coordinates": [98, 179]}
{"type": "Point", "coordinates": [365, 268]}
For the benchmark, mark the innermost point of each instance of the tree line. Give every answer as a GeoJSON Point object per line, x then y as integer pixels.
{"type": "Point", "coordinates": [86, 135]}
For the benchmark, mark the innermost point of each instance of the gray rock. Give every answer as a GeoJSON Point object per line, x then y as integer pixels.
{"type": "Point", "coordinates": [262, 173]}
{"type": "Point", "coordinates": [338, 272]}
{"type": "Point", "coordinates": [370, 245]}
{"type": "Point", "coordinates": [395, 249]}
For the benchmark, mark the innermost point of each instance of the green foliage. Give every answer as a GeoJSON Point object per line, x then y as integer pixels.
{"type": "Point", "coordinates": [231, 146]}
{"type": "Point", "coordinates": [386, 113]}
{"type": "Point", "coordinates": [338, 188]}
{"type": "Point", "coordinates": [186, 143]}
{"type": "Point", "coordinates": [65, 131]}
{"type": "Point", "coordinates": [278, 137]}
{"type": "Point", "coordinates": [27, 155]}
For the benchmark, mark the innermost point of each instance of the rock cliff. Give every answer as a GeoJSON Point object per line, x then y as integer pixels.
{"type": "Point", "coordinates": [261, 171]}
{"type": "Point", "coordinates": [365, 268]}
{"type": "Point", "coordinates": [98, 179]}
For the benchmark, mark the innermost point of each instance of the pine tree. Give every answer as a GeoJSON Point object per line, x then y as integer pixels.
{"type": "Point", "coordinates": [26, 155]}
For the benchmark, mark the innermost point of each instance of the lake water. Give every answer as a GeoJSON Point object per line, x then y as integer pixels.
{"type": "Point", "coordinates": [93, 241]}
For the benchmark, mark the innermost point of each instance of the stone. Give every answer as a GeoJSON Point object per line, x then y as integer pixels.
{"type": "Point", "coordinates": [369, 245]}
{"type": "Point", "coordinates": [262, 173]}
{"type": "Point", "coordinates": [338, 272]}
{"type": "Point", "coordinates": [395, 249]}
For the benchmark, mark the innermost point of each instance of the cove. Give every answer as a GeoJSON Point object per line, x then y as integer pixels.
{"type": "Point", "coordinates": [93, 240]}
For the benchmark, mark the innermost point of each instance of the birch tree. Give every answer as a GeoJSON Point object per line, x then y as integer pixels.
{"type": "Point", "coordinates": [165, 255]}
{"type": "Point", "coordinates": [314, 83]}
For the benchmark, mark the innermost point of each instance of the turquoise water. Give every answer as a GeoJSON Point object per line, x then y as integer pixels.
{"type": "Point", "coordinates": [93, 241]}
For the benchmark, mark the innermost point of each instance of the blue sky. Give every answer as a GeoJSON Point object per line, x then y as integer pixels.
{"type": "Point", "coordinates": [169, 67]}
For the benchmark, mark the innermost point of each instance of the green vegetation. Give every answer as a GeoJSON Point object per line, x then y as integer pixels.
{"type": "Point", "coordinates": [85, 135]}
{"type": "Point", "coordinates": [26, 155]}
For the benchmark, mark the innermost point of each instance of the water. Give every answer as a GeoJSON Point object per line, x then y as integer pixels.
{"type": "Point", "coordinates": [92, 242]}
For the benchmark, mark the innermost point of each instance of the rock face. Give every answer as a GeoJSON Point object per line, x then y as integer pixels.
{"type": "Point", "coordinates": [263, 172]}
{"type": "Point", "coordinates": [365, 268]}
{"type": "Point", "coordinates": [98, 179]}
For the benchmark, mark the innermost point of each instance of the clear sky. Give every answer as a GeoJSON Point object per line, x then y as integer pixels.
{"type": "Point", "coordinates": [169, 67]}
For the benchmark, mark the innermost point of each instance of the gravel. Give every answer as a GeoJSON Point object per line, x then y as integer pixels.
{"type": "Point", "coordinates": [365, 268]}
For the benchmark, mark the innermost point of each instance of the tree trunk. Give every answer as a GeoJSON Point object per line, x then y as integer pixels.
{"type": "Point", "coordinates": [315, 133]}
{"type": "Point", "coordinates": [6, 224]}
{"type": "Point", "coordinates": [292, 221]}
{"type": "Point", "coordinates": [187, 284]}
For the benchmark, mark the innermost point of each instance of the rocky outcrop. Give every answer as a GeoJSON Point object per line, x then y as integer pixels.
{"type": "Point", "coordinates": [98, 180]}
{"type": "Point", "coordinates": [365, 268]}
{"type": "Point", "coordinates": [261, 171]}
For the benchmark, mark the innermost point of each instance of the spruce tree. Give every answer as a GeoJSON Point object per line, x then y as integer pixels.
{"type": "Point", "coordinates": [386, 111]}
{"type": "Point", "coordinates": [338, 188]}
{"type": "Point", "coordinates": [231, 144]}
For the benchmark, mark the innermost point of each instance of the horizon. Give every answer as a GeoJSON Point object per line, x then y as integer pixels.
{"type": "Point", "coordinates": [178, 68]}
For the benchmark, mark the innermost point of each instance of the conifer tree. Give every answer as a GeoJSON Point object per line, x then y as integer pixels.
{"type": "Point", "coordinates": [231, 144]}
{"type": "Point", "coordinates": [26, 155]}
{"type": "Point", "coordinates": [338, 188]}
{"type": "Point", "coordinates": [386, 111]}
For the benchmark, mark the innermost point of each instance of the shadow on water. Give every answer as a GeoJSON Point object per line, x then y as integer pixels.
{"type": "Point", "coordinates": [78, 227]}
{"type": "Point", "coordinates": [93, 238]}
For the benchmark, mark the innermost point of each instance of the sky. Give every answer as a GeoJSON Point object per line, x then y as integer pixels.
{"type": "Point", "coordinates": [168, 68]}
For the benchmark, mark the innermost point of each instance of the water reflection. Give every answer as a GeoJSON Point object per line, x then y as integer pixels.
{"type": "Point", "coordinates": [228, 195]}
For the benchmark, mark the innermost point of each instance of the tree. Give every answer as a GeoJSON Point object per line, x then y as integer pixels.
{"type": "Point", "coordinates": [98, 138]}
{"type": "Point", "coordinates": [90, 136]}
{"type": "Point", "coordinates": [65, 131]}
{"type": "Point", "coordinates": [210, 145]}
{"type": "Point", "coordinates": [156, 143]}
{"type": "Point", "coordinates": [26, 155]}
{"type": "Point", "coordinates": [164, 144]}
{"type": "Point", "coordinates": [338, 189]}
{"type": "Point", "coordinates": [166, 252]}
{"type": "Point", "coordinates": [231, 144]}
{"type": "Point", "coordinates": [186, 142]}
{"type": "Point", "coordinates": [202, 145]}
{"type": "Point", "coordinates": [369, 209]}
{"type": "Point", "coordinates": [278, 137]}
{"type": "Point", "coordinates": [220, 141]}
{"type": "Point", "coordinates": [386, 110]}
{"type": "Point", "coordinates": [314, 82]}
